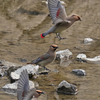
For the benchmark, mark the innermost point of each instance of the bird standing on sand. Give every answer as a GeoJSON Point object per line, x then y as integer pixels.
{"type": "Point", "coordinates": [23, 91]}
{"type": "Point", "coordinates": [46, 58]}
{"type": "Point", "coordinates": [59, 17]}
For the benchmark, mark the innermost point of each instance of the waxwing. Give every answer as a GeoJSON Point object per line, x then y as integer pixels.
{"type": "Point", "coordinates": [46, 58]}
{"type": "Point", "coordinates": [59, 17]}
{"type": "Point", "coordinates": [23, 90]}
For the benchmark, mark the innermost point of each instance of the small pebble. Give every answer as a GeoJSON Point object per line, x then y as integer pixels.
{"type": "Point", "coordinates": [79, 72]}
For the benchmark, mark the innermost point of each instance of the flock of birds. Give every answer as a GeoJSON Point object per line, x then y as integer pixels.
{"type": "Point", "coordinates": [61, 22]}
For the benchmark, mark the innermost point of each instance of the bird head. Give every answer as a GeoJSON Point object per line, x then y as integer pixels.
{"type": "Point", "coordinates": [53, 47]}
{"type": "Point", "coordinates": [39, 92]}
{"type": "Point", "coordinates": [76, 17]}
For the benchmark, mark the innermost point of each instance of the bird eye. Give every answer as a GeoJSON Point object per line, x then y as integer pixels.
{"type": "Point", "coordinates": [53, 46]}
{"type": "Point", "coordinates": [79, 18]}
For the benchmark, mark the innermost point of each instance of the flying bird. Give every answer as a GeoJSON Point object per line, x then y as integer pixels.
{"type": "Point", "coordinates": [46, 58]}
{"type": "Point", "coordinates": [59, 17]}
{"type": "Point", "coordinates": [23, 90]}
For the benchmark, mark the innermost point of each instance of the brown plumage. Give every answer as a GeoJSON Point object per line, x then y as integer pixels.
{"type": "Point", "coordinates": [23, 89]}
{"type": "Point", "coordinates": [46, 58]}
{"type": "Point", "coordinates": [59, 17]}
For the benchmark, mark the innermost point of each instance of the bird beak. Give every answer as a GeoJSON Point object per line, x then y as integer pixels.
{"type": "Point", "coordinates": [42, 92]}
{"type": "Point", "coordinates": [55, 48]}
{"type": "Point", "coordinates": [80, 19]}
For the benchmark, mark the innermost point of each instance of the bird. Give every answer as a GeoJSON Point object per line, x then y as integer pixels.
{"type": "Point", "coordinates": [60, 19]}
{"type": "Point", "coordinates": [23, 90]}
{"type": "Point", "coordinates": [46, 58]}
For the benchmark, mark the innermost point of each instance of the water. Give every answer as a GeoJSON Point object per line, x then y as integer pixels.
{"type": "Point", "coordinates": [20, 38]}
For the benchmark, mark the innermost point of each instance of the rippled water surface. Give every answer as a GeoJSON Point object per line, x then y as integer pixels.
{"type": "Point", "coordinates": [22, 22]}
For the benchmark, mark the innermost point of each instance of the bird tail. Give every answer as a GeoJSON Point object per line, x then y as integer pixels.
{"type": "Point", "coordinates": [44, 34]}
{"type": "Point", "coordinates": [51, 30]}
{"type": "Point", "coordinates": [23, 85]}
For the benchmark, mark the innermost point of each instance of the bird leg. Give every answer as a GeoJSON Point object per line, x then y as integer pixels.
{"type": "Point", "coordinates": [58, 36]}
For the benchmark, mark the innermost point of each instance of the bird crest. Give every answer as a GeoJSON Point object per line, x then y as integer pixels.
{"type": "Point", "coordinates": [54, 45]}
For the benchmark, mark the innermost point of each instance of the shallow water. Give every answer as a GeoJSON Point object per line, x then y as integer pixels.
{"type": "Point", "coordinates": [20, 38]}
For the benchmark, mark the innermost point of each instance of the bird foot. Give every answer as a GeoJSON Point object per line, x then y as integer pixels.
{"type": "Point", "coordinates": [58, 36]}
{"type": "Point", "coordinates": [62, 38]}
{"type": "Point", "coordinates": [46, 68]}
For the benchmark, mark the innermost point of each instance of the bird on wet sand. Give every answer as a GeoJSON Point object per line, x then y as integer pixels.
{"type": "Point", "coordinates": [59, 17]}
{"type": "Point", "coordinates": [46, 58]}
{"type": "Point", "coordinates": [23, 90]}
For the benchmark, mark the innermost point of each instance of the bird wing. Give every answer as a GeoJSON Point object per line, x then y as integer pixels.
{"type": "Point", "coordinates": [30, 95]}
{"type": "Point", "coordinates": [43, 57]}
{"type": "Point", "coordinates": [57, 11]}
{"type": "Point", "coordinates": [23, 85]}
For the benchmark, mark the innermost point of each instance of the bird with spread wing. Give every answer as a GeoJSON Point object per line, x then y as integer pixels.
{"type": "Point", "coordinates": [59, 17]}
